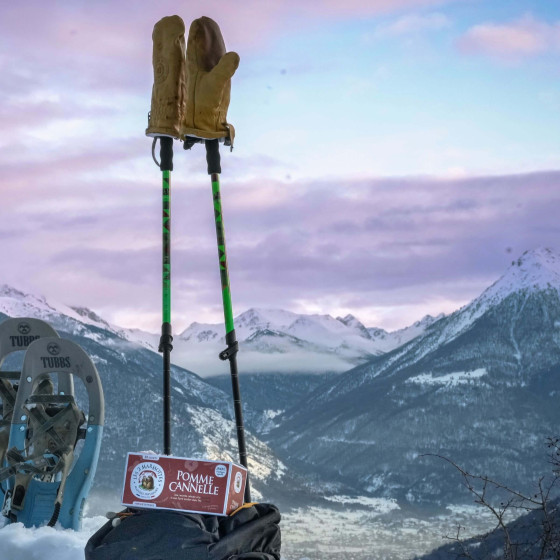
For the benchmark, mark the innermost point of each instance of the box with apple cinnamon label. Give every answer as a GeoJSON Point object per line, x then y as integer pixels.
{"type": "Point", "coordinates": [182, 484]}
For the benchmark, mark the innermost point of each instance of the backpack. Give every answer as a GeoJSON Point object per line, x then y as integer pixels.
{"type": "Point", "coordinates": [251, 533]}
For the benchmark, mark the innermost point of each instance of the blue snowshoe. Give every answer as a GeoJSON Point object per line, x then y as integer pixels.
{"type": "Point", "coordinates": [15, 335]}
{"type": "Point", "coordinates": [46, 482]}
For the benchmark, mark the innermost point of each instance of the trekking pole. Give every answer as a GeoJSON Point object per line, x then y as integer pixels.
{"type": "Point", "coordinates": [230, 353]}
{"type": "Point", "coordinates": [165, 346]}
{"type": "Point", "coordinates": [164, 118]}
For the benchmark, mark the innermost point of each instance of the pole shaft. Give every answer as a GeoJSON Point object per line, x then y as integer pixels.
{"type": "Point", "coordinates": [222, 256]}
{"type": "Point", "coordinates": [231, 340]}
{"type": "Point", "coordinates": [167, 402]}
{"type": "Point", "coordinates": [166, 247]}
{"type": "Point", "coordinates": [165, 344]}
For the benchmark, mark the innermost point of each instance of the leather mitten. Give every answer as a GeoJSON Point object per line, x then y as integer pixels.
{"type": "Point", "coordinates": [169, 91]}
{"type": "Point", "coordinates": [209, 72]}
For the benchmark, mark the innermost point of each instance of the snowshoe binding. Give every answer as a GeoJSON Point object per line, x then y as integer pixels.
{"type": "Point", "coordinates": [15, 335]}
{"type": "Point", "coordinates": [46, 481]}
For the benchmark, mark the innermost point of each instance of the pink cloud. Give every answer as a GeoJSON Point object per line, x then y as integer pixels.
{"type": "Point", "coordinates": [100, 45]}
{"type": "Point", "coordinates": [123, 30]}
{"type": "Point", "coordinates": [29, 115]}
{"type": "Point", "coordinates": [413, 23]}
{"type": "Point", "coordinates": [523, 38]}
{"type": "Point", "coordinates": [379, 240]}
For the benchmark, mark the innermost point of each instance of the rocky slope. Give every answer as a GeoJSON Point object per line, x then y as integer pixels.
{"type": "Point", "coordinates": [480, 387]}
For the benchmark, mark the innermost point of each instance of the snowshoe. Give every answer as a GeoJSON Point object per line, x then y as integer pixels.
{"type": "Point", "coordinates": [46, 482]}
{"type": "Point", "coordinates": [15, 335]}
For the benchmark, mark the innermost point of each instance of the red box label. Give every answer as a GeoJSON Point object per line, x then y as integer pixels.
{"type": "Point", "coordinates": [179, 483]}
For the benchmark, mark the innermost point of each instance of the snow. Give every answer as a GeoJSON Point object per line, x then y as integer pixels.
{"type": "Point", "coordinates": [322, 330]}
{"type": "Point", "coordinates": [18, 304]}
{"type": "Point", "coordinates": [313, 532]}
{"type": "Point", "coordinates": [449, 380]}
{"type": "Point", "coordinates": [535, 270]}
{"type": "Point", "coordinates": [387, 341]}
{"type": "Point", "coordinates": [271, 340]}
{"type": "Point", "coordinates": [217, 436]}
{"type": "Point", "coordinates": [538, 269]}
{"type": "Point", "coordinates": [277, 340]}
{"type": "Point", "coordinates": [46, 543]}
{"type": "Point", "coordinates": [271, 414]}
{"type": "Point", "coordinates": [380, 506]}
{"type": "Point", "coordinates": [355, 532]}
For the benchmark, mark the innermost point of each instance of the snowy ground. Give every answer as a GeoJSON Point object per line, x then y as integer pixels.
{"type": "Point", "coordinates": [46, 543]}
{"type": "Point", "coordinates": [380, 532]}
{"type": "Point", "coordinates": [373, 534]}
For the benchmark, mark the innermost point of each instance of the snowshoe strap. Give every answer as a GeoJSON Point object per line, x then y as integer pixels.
{"type": "Point", "coordinates": [46, 425]}
{"type": "Point", "coordinates": [7, 393]}
{"type": "Point", "coordinates": [10, 375]}
{"type": "Point", "coordinates": [46, 399]}
{"type": "Point", "coordinates": [56, 435]}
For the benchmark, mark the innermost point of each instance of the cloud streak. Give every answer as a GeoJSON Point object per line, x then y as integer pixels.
{"type": "Point", "coordinates": [413, 23]}
{"type": "Point", "coordinates": [523, 38]}
{"type": "Point", "coordinates": [407, 244]}
{"type": "Point", "coordinates": [80, 198]}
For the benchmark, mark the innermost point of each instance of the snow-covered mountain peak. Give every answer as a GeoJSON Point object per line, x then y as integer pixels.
{"type": "Point", "coordinates": [427, 320]}
{"type": "Point", "coordinates": [8, 291]}
{"type": "Point", "coordinates": [15, 303]}
{"type": "Point", "coordinates": [351, 321]}
{"type": "Point", "coordinates": [356, 325]}
{"type": "Point", "coordinates": [262, 318]}
{"type": "Point", "coordinates": [538, 267]}
{"type": "Point", "coordinates": [90, 316]}
{"type": "Point", "coordinates": [535, 270]}
{"type": "Point", "coordinates": [306, 342]}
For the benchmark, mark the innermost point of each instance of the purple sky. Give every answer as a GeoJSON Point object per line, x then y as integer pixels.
{"type": "Point", "coordinates": [392, 157]}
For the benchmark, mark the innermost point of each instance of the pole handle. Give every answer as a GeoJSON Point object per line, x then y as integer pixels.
{"type": "Point", "coordinates": [166, 153]}
{"type": "Point", "coordinates": [213, 156]}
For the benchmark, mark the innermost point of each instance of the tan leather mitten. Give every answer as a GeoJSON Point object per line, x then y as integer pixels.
{"type": "Point", "coordinates": [209, 72]}
{"type": "Point", "coordinates": [169, 91]}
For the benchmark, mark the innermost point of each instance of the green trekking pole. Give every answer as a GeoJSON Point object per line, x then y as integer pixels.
{"type": "Point", "coordinates": [165, 343]}
{"type": "Point", "coordinates": [230, 353]}
{"type": "Point", "coordinates": [209, 72]}
{"type": "Point", "coordinates": [164, 118]}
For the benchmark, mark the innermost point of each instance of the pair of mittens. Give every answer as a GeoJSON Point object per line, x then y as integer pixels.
{"type": "Point", "coordinates": [191, 91]}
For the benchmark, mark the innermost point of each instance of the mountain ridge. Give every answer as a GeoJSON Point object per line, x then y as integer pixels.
{"type": "Point", "coordinates": [470, 384]}
{"type": "Point", "coordinates": [271, 340]}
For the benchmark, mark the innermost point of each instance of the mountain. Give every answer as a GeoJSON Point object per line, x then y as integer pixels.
{"type": "Point", "coordinates": [535, 534]}
{"type": "Point", "coordinates": [479, 387]}
{"type": "Point", "coordinates": [266, 396]}
{"type": "Point", "coordinates": [387, 341]}
{"type": "Point", "coordinates": [202, 415]}
{"type": "Point", "coordinates": [278, 341]}
{"type": "Point", "coordinates": [271, 340]}
{"type": "Point", "coordinates": [308, 347]}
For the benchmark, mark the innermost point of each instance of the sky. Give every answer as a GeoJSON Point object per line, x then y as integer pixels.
{"type": "Point", "coordinates": [392, 157]}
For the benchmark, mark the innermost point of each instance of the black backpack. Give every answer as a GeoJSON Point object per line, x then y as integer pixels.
{"type": "Point", "coordinates": [252, 533]}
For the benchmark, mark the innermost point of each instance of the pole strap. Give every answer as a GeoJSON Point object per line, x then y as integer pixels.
{"type": "Point", "coordinates": [165, 152]}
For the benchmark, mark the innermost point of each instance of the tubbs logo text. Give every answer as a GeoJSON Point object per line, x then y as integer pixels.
{"type": "Point", "coordinates": [57, 362]}
{"type": "Point", "coordinates": [18, 341]}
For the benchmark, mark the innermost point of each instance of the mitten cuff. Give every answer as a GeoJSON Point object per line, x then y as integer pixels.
{"type": "Point", "coordinates": [228, 132]}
